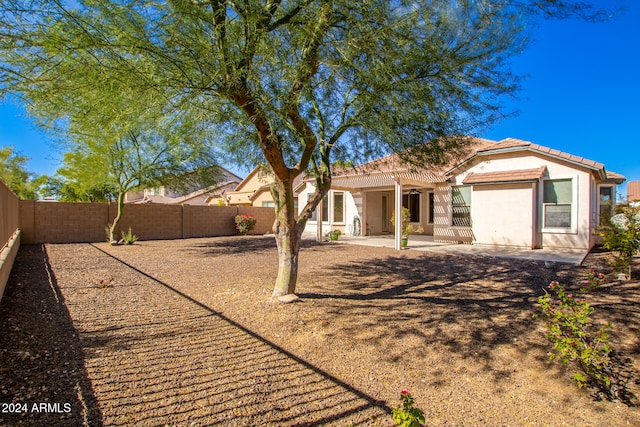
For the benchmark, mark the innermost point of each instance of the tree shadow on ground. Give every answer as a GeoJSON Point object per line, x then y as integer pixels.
{"type": "Point", "coordinates": [170, 359]}
{"type": "Point", "coordinates": [41, 360]}
{"type": "Point", "coordinates": [465, 306]}
{"type": "Point", "coordinates": [243, 245]}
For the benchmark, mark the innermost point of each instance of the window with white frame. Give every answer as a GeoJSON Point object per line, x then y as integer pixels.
{"type": "Point", "coordinates": [325, 209]}
{"type": "Point", "coordinates": [606, 204]}
{"type": "Point", "coordinates": [558, 203]}
{"type": "Point", "coordinates": [338, 207]}
{"type": "Point", "coordinates": [461, 206]}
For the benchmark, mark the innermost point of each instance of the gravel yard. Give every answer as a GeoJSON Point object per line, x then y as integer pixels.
{"type": "Point", "coordinates": [184, 333]}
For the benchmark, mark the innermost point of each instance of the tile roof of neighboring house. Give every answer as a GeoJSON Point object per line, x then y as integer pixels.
{"type": "Point", "coordinates": [522, 175]}
{"type": "Point", "coordinates": [633, 191]}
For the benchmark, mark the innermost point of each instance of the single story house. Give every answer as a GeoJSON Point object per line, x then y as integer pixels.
{"type": "Point", "coordinates": [215, 194]}
{"type": "Point", "coordinates": [255, 189]}
{"type": "Point", "coordinates": [507, 193]}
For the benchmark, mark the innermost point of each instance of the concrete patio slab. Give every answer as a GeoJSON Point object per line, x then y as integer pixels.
{"type": "Point", "coordinates": [426, 244]}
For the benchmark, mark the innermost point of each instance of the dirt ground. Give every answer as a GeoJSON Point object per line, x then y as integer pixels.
{"type": "Point", "coordinates": [184, 333]}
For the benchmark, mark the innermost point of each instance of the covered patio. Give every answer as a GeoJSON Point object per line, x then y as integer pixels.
{"type": "Point", "coordinates": [424, 243]}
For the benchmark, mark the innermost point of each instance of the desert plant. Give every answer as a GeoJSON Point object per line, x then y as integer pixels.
{"type": "Point", "coordinates": [334, 234]}
{"type": "Point", "coordinates": [407, 228]}
{"type": "Point", "coordinates": [129, 238]}
{"type": "Point", "coordinates": [244, 223]}
{"type": "Point", "coordinates": [407, 415]}
{"type": "Point", "coordinates": [575, 340]}
{"type": "Point", "coordinates": [622, 236]}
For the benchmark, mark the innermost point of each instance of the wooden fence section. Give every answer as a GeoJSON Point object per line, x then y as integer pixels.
{"type": "Point", "coordinates": [56, 222]}
{"type": "Point", "coordinates": [9, 233]}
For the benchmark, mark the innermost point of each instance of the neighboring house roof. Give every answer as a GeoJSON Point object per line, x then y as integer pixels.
{"type": "Point", "coordinates": [216, 190]}
{"type": "Point", "coordinates": [633, 191]}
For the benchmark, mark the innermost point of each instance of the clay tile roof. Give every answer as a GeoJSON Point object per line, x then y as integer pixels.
{"type": "Point", "coordinates": [633, 191]}
{"type": "Point", "coordinates": [615, 177]}
{"type": "Point", "coordinates": [520, 175]}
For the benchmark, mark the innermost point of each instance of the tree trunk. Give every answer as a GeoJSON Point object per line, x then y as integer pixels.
{"type": "Point", "coordinates": [116, 221]}
{"type": "Point", "coordinates": [288, 234]}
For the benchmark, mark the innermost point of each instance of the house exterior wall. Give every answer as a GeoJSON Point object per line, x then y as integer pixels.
{"type": "Point", "coordinates": [352, 209]}
{"type": "Point", "coordinates": [583, 206]}
{"type": "Point", "coordinates": [510, 218]}
{"type": "Point", "coordinates": [443, 231]}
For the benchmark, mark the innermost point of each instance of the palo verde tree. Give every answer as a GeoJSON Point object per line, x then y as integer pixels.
{"type": "Point", "coordinates": [296, 84]}
{"type": "Point", "coordinates": [14, 174]}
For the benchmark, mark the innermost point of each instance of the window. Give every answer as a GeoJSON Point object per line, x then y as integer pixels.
{"type": "Point", "coordinates": [558, 203]}
{"type": "Point", "coordinates": [325, 209]}
{"type": "Point", "coordinates": [338, 206]}
{"type": "Point", "coordinates": [431, 208]}
{"type": "Point", "coordinates": [411, 201]}
{"type": "Point", "coordinates": [606, 204]}
{"type": "Point", "coordinates": [461, 206]}
{"type": "Point", "coordinates": [268, 204]}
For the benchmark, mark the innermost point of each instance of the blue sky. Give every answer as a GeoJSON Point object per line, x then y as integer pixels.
{"type": "Point", "coordinates": [581, 96]}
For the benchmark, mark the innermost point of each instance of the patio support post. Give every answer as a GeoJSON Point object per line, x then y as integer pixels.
{"type": "Point", "coordinates": [398, 207]}
{"type": "Point", "coordinates": [319, 208]}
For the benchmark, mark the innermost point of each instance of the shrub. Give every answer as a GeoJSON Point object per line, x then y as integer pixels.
{"type": "Point", "coordinates": [570, 329]}
{"type": "Point", "coordinates": [129, 238]}
{"type": "Point", "coordinates": [407, 415]}
{"type": "Point", "coordinates": [244, 223]}
{"type": "Point", "coordinates": [622, 236]}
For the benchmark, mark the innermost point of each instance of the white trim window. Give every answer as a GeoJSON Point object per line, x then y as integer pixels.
{"type": "Point", "coordinates": [605, 204]}
{"type": "Point", "coordinates": [559, 205]}
{"type": "Point", "coordinates": [461, 206]}
{"type": "Point", "coordinates": [338, 207]}
{"type": "Point", "coordinates": [325, 208]}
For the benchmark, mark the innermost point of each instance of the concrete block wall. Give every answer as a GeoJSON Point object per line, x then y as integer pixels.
{"type": "Point", "coordinates": [58, 222]}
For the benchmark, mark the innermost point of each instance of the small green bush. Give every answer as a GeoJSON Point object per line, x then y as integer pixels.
{"type": "Point", "coordinates": [622, 236]}
{"type": "Point", "coordinates": [407, 415]}
{"type": "Point", "coordinates": [129, 238]}
{"type": "Point", "coordinates": [575, 339]}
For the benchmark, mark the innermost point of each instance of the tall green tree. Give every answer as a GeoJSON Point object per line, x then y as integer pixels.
{"type": "Point", "coordinates": [293, 83]}
{"type": "Point", "coordinates": [14, 173]}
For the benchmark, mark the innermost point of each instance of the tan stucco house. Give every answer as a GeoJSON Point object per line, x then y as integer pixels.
{"type": "Point", "coordinates": [507, 193]}
{"type": "Point", "coordinates": [212, 195]}
{"type": "Point", "coordinates": [255, 190]}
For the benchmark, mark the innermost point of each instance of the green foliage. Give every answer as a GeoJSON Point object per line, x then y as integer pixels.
{"type": "Point", "coordinates": [622, 236]}
{"type": "Point", "coordinates": [298, 84]}
{"type": "Point", "coordinates": [574, 337]}
{"type": "Point", "coordinates": [407, 415]}
{"type": "Point", "coordinates": [335, 234]}
{"type": "Point", "coordinates": [14, 174]}
{"type": "Point", "coordinates": [244, 223]}
{"type": "Point", "coordinates": [129, 238]}
{"type": "Point", "coordinates": [407, 228]}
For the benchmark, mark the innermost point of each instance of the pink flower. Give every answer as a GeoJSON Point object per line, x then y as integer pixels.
{"type": "Point", "coordinates": [405, 392]}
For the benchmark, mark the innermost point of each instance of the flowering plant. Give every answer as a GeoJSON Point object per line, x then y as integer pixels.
{"type": "Point", "coordinates": [407, 227]}
{"type": "Point", "coordinates": [569, 328]}
{"type": "Point", "coordinates": [408, 415]}
{"type": "Point", "coordinates": [244, 223]}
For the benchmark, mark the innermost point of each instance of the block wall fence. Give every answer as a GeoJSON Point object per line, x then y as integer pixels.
{"type": "Point", "coordinates": [58, 222]}
{"type": "Point", "coordinates": [9, 233]}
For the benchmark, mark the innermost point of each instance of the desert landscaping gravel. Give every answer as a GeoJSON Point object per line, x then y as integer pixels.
{"type": "Point", "coordinates": [184, 333]}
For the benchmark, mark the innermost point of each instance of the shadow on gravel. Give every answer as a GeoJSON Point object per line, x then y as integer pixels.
{"type": "Point", "coordinates": [191, 365]}
{"type": "Point", "coordinates": [246, 245]}
{"type": "Point", "coordinates": [43, 380]}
